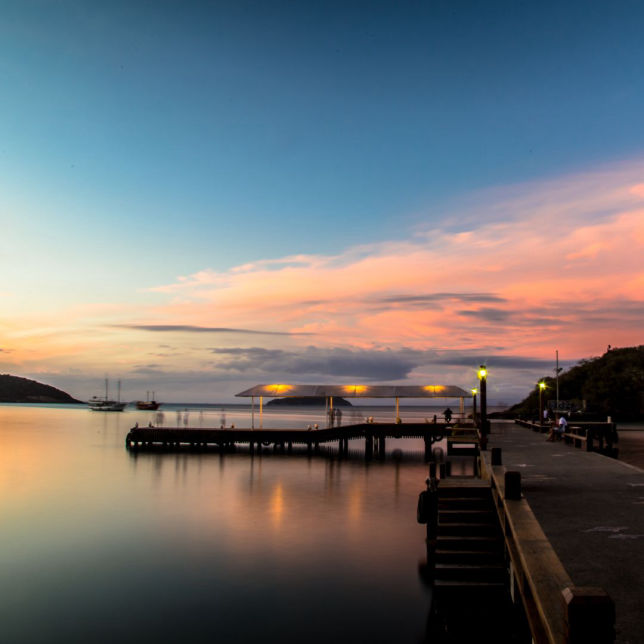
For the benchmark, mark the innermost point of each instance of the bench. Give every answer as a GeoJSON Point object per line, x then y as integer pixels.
{"type": "Point", "coordinates": [575, 435]}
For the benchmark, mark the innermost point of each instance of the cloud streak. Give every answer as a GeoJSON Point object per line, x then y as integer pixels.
{"type": "Point", "coordinates": [188, 328]}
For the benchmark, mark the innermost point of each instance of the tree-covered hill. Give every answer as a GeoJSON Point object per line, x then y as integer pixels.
{"type": "Point", "coordinates": [612, 385]}
{"type": "Point", "coordinates": [14, 389]}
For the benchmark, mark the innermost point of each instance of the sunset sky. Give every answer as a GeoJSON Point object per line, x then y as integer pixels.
{"type": "Point", "coordinates": [200, 196]}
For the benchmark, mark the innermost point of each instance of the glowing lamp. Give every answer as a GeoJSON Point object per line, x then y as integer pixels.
{"type": "Point", "coordinates": [542, 385]}
{"type": "Point", "coordinates": [482, 372]}
{"type": "Point", "coordinates": [475, 391]}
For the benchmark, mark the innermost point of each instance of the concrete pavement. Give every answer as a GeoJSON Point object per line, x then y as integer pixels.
{"type": "Point", "coordinates": [591, 508]}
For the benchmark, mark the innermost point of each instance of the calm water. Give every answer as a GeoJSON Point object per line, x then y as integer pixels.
{"type": "Point", "coordinates": [98, 545]}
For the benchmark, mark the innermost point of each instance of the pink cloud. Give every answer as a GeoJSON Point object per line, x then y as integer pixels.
{"type": "Point", "coordinates": [559, 256]}
{"type": "Point", "coordinates": [524, 269]}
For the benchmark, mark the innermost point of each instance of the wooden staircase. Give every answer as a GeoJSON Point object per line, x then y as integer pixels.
{"type": "Point", "coordinates": [471, 597]}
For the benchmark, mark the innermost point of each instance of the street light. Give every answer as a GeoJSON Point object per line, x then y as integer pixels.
{"type": "Point", "coordinates": [482, 374]}
{"type": "Point", "coordinates": [542, 386]}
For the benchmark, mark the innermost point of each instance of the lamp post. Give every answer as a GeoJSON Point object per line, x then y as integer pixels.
{"type": "Point", "coordinates": [474, 392]}
{"type": "Point", "coordinates": [542, 386]}
{"type": "Point", "coordinates": [484, 429]}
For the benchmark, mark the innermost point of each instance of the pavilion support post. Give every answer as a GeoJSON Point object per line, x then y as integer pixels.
{"type": "Point", "coordinates": [261, 412]}
{"type": "Point", "coordinates": [252, 412]}
{"type": "Point", "coordinates": [397, 410]}
{"type": "Point", "coordinates": [462, 407]}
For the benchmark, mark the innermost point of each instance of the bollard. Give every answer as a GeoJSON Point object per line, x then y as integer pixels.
{"type": "Point", "coordinates": [513, 486]}
{"type": "Point", "coordinates": [589, 615]}
{"type": "Point", "coordinates": [496, 456]}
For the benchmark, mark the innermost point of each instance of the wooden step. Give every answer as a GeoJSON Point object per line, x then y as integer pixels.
{"type": "Point", "coordinates": [466, 516]}
{"type": "Point", "coordinates": [467, 529]}
{"type": "Point", "coordinates": [464, 572]}
{"type": "Point", "coordinates": [465, 503]}
{"type": "Point", "coordinates": [467, 490]}
{"type": "Point", "coordinates": [468, 556]}
{"type": "Point", "coordinates": [474, 543]}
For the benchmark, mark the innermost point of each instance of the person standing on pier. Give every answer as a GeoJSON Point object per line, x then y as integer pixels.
{"type": "Point", "coordinates": [448, 415]}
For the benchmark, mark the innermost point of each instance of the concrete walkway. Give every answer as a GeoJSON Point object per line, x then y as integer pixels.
{"type": "Point", "coordinates": [591, 508]}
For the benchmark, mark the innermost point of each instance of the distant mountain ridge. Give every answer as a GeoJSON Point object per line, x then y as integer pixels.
{"type": "Point", "coordinates": [14, 389]}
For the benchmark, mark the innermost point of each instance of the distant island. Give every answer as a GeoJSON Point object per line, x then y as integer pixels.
{"type": "Point", "coordinates": [14, 389]}
{"type": "Point", "coordinates": [306, 401]}
{"type": "Point", "coordinates": [610, 385]}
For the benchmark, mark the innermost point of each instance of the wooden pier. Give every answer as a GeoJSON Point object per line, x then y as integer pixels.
{"type": "Point", "coordinates": [374, 435]}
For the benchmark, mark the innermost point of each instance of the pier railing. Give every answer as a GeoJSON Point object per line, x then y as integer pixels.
{"type": "Point", "coordinates": [597, 437]}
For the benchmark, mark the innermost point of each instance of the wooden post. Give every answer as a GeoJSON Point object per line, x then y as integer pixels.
{"type": "Point", "coordinates": [589, 615]}
{"type": "Point", "coordinates": [368, 447]}
{"type": "Point", "coordinates": [513, 486]}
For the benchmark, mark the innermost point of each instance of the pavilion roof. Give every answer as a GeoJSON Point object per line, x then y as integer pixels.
{"type": "Point", "coordinates": [355, 391]}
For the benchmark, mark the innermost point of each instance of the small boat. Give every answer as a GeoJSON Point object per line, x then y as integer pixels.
{"type": "Point", "coordinates": [105, 404]}
{"type": "Point", "coordinates": [147, 403]}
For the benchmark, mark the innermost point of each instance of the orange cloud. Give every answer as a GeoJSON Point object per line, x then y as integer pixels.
{"type": "Point", "coordinates": [546, 252]}
{"type": "Point", "coordinates": [524, 269]}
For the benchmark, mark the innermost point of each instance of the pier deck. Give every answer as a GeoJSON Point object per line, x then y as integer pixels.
{"type": "Point", "coordinates": [373, 434]}
{"type": "Point", "coordinates": [591, 508]}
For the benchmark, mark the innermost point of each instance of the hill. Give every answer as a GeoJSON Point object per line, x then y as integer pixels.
{"type": "Point", "coordinates": [14, 389]}
{"type": "Point", "coordinates": [611, 385]}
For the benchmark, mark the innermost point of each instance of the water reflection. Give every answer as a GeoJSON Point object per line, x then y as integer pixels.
{"type": "Point", "coordinates": [101, 545]}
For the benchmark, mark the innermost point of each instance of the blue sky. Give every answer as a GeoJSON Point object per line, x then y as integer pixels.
{"type": "Point", "coordinates": [143, 141]}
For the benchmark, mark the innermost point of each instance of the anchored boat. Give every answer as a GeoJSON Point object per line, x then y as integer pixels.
{"type": "Point", "coordinates": [147, 403]}
{"type": "Point", "coordinates": [105, 404]}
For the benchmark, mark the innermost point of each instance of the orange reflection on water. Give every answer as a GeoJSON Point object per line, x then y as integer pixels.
{"type": "Point", "coordinates": [355, 505]}
{"type": "Point", "coordinates": [277, 506]}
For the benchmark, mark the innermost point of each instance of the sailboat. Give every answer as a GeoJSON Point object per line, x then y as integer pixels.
{"type": "Point", "coordinates": [105, 404]}
{"type": "Point", "coordinates": [147, 403]}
